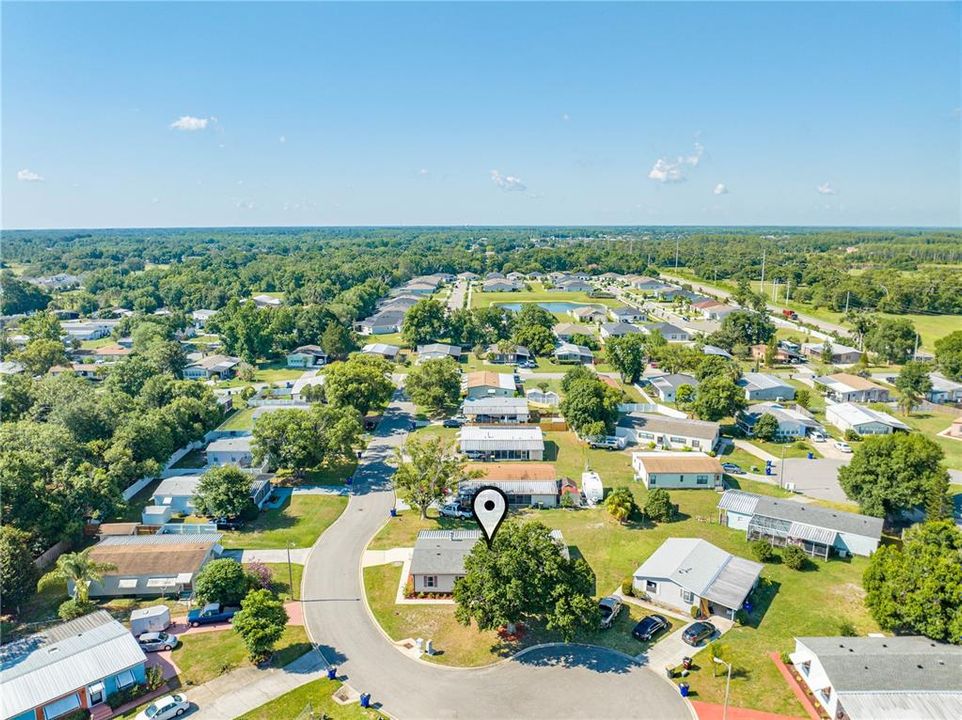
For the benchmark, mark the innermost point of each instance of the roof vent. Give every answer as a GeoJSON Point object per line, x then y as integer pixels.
{"type": "Point", "coordinates": [919, 667]}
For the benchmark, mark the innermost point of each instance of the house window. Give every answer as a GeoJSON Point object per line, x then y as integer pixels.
{"type": "Point", "coordinates": [701, 479]}
{"type": "Point", "coordinates": [696, 444]}
{"type": "Point", "coordinates": [125, 679]}
{"type": "Point", "coordinates": [127, 583]}
{"type": "Point", "coordinates": [61, 707]}
{"type": "Point", "coordinates": [651, 481]}
{"type": "Point", "coordinates": [680, 440]}
{"type": "Point", "coordinates": [651, 586]}
{"type": "Point", "coordinates": [430, 581]}
{"type": "Point", "coordinates": [687, 596]}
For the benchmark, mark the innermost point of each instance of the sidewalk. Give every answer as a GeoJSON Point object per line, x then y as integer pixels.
{"type": "Point", "coordinates": [711, 711]}
{"type": "Point", "coordinates": [298, 555]}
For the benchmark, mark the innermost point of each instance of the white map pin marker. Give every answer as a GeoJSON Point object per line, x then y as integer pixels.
{"type": "Point", "coordinates": [490, 508]}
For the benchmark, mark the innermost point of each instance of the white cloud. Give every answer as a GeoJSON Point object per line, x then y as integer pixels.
{"type": "Point", "coordinates": [825, 189]}
{"type": "Point", "coordinates": [27, 175]}
{"type": "Point", "coordinates": [667, 170]}
{"type": "Point", "coordinates": [244, 204]}
{"type": "Point", "coordinates": [508, 183]}
{"type": "Point", "coordinates": [189, 123]}
{"type": "Point", "coordinates": [423, 171]}
{"type": "Point", "coordinates": [720, 189]}
{"type": "Point", "coordinates": [282, 139]}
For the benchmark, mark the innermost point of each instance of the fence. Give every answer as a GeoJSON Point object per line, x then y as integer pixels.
{"type": "Point", "coordinates": [139, 485]}
{"type": "Point", "coordinates": [50, 555]}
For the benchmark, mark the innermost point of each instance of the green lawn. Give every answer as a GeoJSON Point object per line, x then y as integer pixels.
{"type": "Point", "coordinates": [193, 459]}
{"type": "Point", "coordinates": [796, 449]}
{"type": "Point", "coordinates": [932, 423]}
{"type": "Point", "coordinates": [331, 473]}
{"type": "Point", "coordinates": [300, 521]}
{"type": "Point", "coordinates": [312, 697]}
{"type": "Point", "coordinates": [98, 343]}
{"type": "Point", "coordinates": [204, 656]}
{"type": "Point", "coordinates": [537, 294]}
{"type": "Point", "coordinates": [134, 507]}
{"type": "Point", "coordinates": [282, 579]}
{"type": "Point", "coordinates": [240, 420]}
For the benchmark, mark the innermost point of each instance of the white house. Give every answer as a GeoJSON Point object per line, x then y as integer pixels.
{"type": "Point", "coordinates": [573, 286]}
{"type": "Point", "coordinates": [88, 329]}
{"type": "Point", "coordinates": [792, 423]}
{"type": "Point", "coordinates": [542, 397]}
{"type": "Point", "coordinates": [266, 301]}
{"type": "Point", "coordinates": [862, 420]}
{"type": "Point", "coordinates": [388, 352]}
{"type": "Point", "coordinates": [438, 351]}
{"type": "Point", "coordinates": [626, 314]}
{"type": "Point", "coordinates": [667, 432]}
{"type": "Point", "coordinates": [588, 314]}
{"type": "Point", "coordinates": [763, 386]}
{"type": "Point", "coordinates": [686, 572]}
{"type": "Point", "coordinates": [177, 494]}
{"type": "Point", "coordinates": [231, 451]}
{"type": "Point", "coordinates": [496, 356]}
{"type": "Point", "coordinates": [817, 530]}
{"type": "Point", "coordinates": [667, 386]}
{"type": "Point", "coordinates": [670, 332]}
{"type": "Point", "coordinates": [845, 387]}
{"type": "Point", "coordinates": [495, 442]}
{"type": "Point", "coordinates": [201, 316]}
{"type": "Point", "coordinates": [944, 390]}
{"type": "Point", "coordinates": [618, 329]}
{"type": "Point", "coordinates": [570, 353]}
{"type": "Point", "coordinates": [212, 367]}
{"type": "Point", "coordinates": [497, 409]}
{"type": "Point", "coordinates": [882, 678]}
{"type": "Point", "coordinates": [841, 354]}
{"type": "Point", "coordinates": [525, 484]}
{"type": "Point", "coordinates": [677, 470]}
{"type": "Point", "coordinates": [497, 285]}
{"type": "Point", "coordinates": [381, 323]}
{"type": "Point", "coordinates": [307, 356]}
{"type": "Point", "coordinates": [483, 383]}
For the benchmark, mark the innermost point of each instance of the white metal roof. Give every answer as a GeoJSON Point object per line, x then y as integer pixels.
{"type": "Point", "coordinates": [856, 415]}
{"type": "Point", "coordinates": [45, 666]}
{"type": "Point", "coordinates": [486, 438]}
{"type": "Point", "coordinates": [495, 404]}
{"type": "Point", "coordinates": [233, 444]}
{"type": "Point", "coordinates": [177, 486]}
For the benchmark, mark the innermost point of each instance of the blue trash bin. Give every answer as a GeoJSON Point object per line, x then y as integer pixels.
{"type": "Point", "coordinates": [811, 456]}
{"type": "Point", "coordinates": [332, 673]}
{"type": "Point", "coordinates": [682, 688]}
{"type": "Point", "coordinates": [768, 469]}
{"type": "Point", "coordinates": [366, 700]}
{"type": "Point", "coordinates": [393, 512]}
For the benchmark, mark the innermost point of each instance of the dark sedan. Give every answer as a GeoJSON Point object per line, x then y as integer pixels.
{"type": "Point", "coordinates": [696, 633]}
{"type": "Point", "coordinates": [650, 626]}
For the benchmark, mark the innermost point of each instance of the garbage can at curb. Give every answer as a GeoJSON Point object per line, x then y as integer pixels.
{"type": "Point", "coordinates": [682, 688]}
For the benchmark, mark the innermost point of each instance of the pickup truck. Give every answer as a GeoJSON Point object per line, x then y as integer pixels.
{"type": "Point", "coordinates": [790, 314]}
{"type": "Point", "coordinates": [211, 613]}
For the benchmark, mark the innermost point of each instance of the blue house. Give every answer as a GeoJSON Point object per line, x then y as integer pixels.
{"type": "Point", "coordinates": [78, 664]}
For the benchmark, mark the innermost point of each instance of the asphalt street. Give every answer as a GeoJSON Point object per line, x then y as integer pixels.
{"type": "Point", "coordinates": [560, 682]}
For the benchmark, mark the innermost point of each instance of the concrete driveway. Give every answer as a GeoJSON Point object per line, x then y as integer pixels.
{"type": "Point", "coordinates": [558, 682]}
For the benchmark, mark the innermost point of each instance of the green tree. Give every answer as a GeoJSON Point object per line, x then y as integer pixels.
{"type": "Point", "coordinates": [42, 326]}
{"type": "Point", "coordinates": [620, 504]}
{"type": "Point", "coordinates": [76, 568]}
{"type": "Point", "coordinates": [827, 352]}
{"type": "Point", "coordinates": [428, 471]}
{"type": "Point", "coordinates": [803, 397]}
{"type": "Point", "coordinates": [743, 327]}
{"type": "Point", "coordinates": [40, 355]}
{"type": "Point", "coordinates": [628, 355]}
{"type": "Point", "coordinates": [362, 382]}
{"type": "Point", "coordinates": [130, 375]}
{"type": "Point", "coordinates": [18, 574]}
{"type": "Point", "coordinates": [938, 500]}
{"type": "Point", "coordinates": [435, 385]}
{"type": "Point", "coordinates": [712, 365]}
{"type": "Point", "coordinates": [260, 622]}
{"type": "Point", "coordinates": [771, 353]}
{"type": "Point", "coordinates": [914, 383]}
{"type": "Point", "coordinates": [948, 355]}
{"type": "Point", "coordinates": [524, 576]}
{"type": "Point", "coordinates": [590, 403]}
{"type": "Point", "coordinates": [685, 396]}
{"type": "Point", "coordinates": [221, 581]}
{"type": "Point", "coordinates": [918, 588]}
{"type": "Point", "coordinates": [574, 375]}
{"type": "Point", "coordinates": [223, 492]}
{"type": "Point", "coordinates": [20, 297]}
{"type": "Point", "coordinates": [337, 340]}
{"type": "Point", "coordinates": [536, 338]}
{"type": "Point", "coordinates": [766, 427]}
{"type": "Point", "coordinates": [891, 473]}
{"type": "Point", "coordinates": [892, 339]}
{"type": "Point", "coordinates": [762, 550]}
{"type": "Point", "coordinates": [16, 396]}
{"type": "Point", "coordinates": [658, 505]}
{"type": "Point", "coordinates": [718, 397]}
{"type": "Point", "coordinates": [286, 438]}
{"type": "Point", "coordinates": [167, 356]}
{"type": "Point", "coordinates": [793, 557]}
{"type": "Point", "coordinates": [424, 322]}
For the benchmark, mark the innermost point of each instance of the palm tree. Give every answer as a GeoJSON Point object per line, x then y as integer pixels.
{"type": "Point", "coordinates": [77, 568]}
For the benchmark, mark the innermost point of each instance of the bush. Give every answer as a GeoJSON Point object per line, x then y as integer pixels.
{"type": "Point", "coordinates": [762, 550]}
{"type": "Point", "coordinates": [695, 612]}
{"type": "Point", "coordinates": [847, 629]}
{"type": "Point", "coordinates": [567, 501]}
{"type": "Point", "coordinates": [78, 714]}
{"type": "Point", "coordinates": [852, 436]}
{"type": "Point", "coordinates": [628, 587]}
{"type": "Point", "coordinates": [223, 581]}
{"type": "Point", "coordinates": [794, 557]}
{"type": "Point", "coordinates": [260, 575]}
{"type": "Point", "coordinates": [620, 504]}
{"type": "Point", "coordinates": [658, 505]}
{"type": "Point", "coordinates": [125, 695]}
{"type": "Point", "coordinates": [155, 677]}
{"type": "Point", "coordinates": [72, 609]}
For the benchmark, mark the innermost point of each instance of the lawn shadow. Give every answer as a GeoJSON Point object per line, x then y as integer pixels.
{"type": "Point", "coordinates": [550, 451]}
{"type": "Point", "coordinates": [596, 659]}
{"type": "Point", "coordinates": [761, 599]}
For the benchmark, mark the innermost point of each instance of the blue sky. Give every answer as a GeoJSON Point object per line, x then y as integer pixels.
{"type": "Point", "coordinates": [445, 113]}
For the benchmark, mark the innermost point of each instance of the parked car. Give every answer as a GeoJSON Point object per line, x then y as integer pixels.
{"type": "Point", "coordinates": [610, 606]}
{"type": "Point", "coordinates": [226, 523]}
{"type": "Point", "coordinates": [649, 626]}
{"type": "Point", "coordinates": [733, 469]}
{"type": "Point", "coordinates": [211, 613]}
{"type": "Point", "coordinates": [453, 510]}
{"type": "Point", "coordinates": [454, 422]}
{"type": "Point", "coordinates": [155, 641]}
{"type": "Point", "coordinates": [698, 632]}
{"type": "Point", "coordinates": [843, 446]}
{"type": "Point", "coordinates": [817, 436]}
{"type": "Point", "coordinates": [169, 706]}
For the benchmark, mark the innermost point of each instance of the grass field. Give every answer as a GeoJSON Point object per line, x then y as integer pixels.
{"type": "Point", "coordinates": [315, 695]}
{"type": "Point", "coordinates": [282, 582]}
{"type": "Point", "coordinates": [193, 459]}
{"type": "Point", "coordinates": [537, 293]}
{"type": "Point", "coordinates": [204, 656]}
{"type": "Point", "coordinates": [299, 521]}
{"type": "Point", "coordinates": [240, 420]}
{"type": "Point", "coordinates": [932, 423]}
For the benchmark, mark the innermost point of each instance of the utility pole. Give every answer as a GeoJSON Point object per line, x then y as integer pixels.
{"type": "Point", "coordinates": [677, 242]}
{"type": "Point", "coordinates": [847, 296]}
{"type": "Point", "coordinates": [761, 285]}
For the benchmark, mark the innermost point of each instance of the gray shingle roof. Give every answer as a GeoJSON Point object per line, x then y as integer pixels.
{"type": "Point", "coordinates": [794, 512]}
{"type": "Point", "coordinates": [442, 552]}
{"type": "Point", "coordinates": [701, 429]}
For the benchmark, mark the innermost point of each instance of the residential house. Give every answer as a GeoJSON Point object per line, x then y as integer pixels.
{"type": "Point", "coordinates": [677, 470]}
{"type": "Point", "coordinates": [543, 397]}
{"type": "Point", "coordinates": [420, 288]}
{"type": "Point", "coordinates": [667, 432]}
{"type": "Point", "coordinates": [381, 323]}
{"type": "Point", "coordinates": [307, 356]}
{"type": "Point", "coordinates": [841, 354]}
{"type": "Point", "coordinates": [200, 318]}
{"type": "Point", "coordinates": [667, 386]}
{"type": "Point", "coordinates": [517, 276]}
{"type": "Point", "coordinates": [845, 388]}
{"type": "Point", "coordinates": [388, 352]}
{"type": "Point", "coordinates": [792, 422]}
{"type": "Point", "coordinates": [566, 331]}
{"type": "Point", "coordinates": [69, 669]}
{"type": "Point", "coordinates": [574, 286]}
{"type": "Point", "coordinates": [151, 565]}
{"type": "Point", "coordinates": [231, 451]}
{"type": "Point", "coordinates": [882, 678]}
{"type": "Point", "coordinates": [310, 379]}
{"type": "Point", "coordinates": [570, 353]}
{"type": "Point", "coordinates": [670, 332]}
{"type": "Point", "coordinates": [525, 484]}
{"type": "Point", "coordinates": [618, 329]}
{"type": "Point", "coordinates": [496, 410]}
{"type": "Point", "coordinates": [494, 276]}
{"type": "Point", "coordinates": [493, 286]}
{"type": "Point", "coordinates": [783, 356]}
{"type": "Point", "coordinates": [717, 311]}
{"type": "Point", "coordinates": [762, 386]}
{"type": "Point", "coordinates": [650, 286]}
{"type": "Point", "coordinates": [178, 492]}
{"type": "Point", "coordinates": [511, 356]}
{"type": "Point", "coordinates": [497, 442]}
{"type": "Point", "coordinates": [266, 301]}
{"type": "Point", "coordinates": [862, 420]}
{"type": "Point", "coordinates": [715, 350]}
{"type": "Point", "coordinates": [626, 314]}
{"type": "Point", "coordinates": [88, 329]}
{"type": "Point", "coordinates": [817, 530]}
{"type": "Point", "coordinates": [438, 351]}
{"type": "Point", "coordinates": [687, 572]}
{"type": "Point", "coordinates": [588, 314]}
{"type": "Point", "coordinates": [402, 303]}
{"type": "Point", "coordinates": [60, 281]}
{"type": "Point", "coordinates": [944, 390]}
{"type": "Point", "coordinates": [484, 383]}
{"type": "Point", "coordinates": [10, 367]}
{"type": "Point", "coordinates": [468, 275]}
{"type": "Point", "coordinates": [212, 367]}
{"type": "Point", "coordinates": [111, 353]}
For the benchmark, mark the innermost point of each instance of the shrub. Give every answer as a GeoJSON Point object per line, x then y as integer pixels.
{"type": "Point", "coordinates": [155, 677]}
{"type": "Point", "coordinates": [567, 501]}
{"type": "Point", "coordinates": [762, 550]}
{"type": "Point", "coordinates": [658, 505]}
{"type": "Point", "coordinates": [223, 581]}
{"type": "Point", "coordinates": [620, 504]}
{"type": "Point", "coordinates": [78, 714]}
{"type": "Point", "coordinates": [695, 612]}
{"type": "Point", "coordinates": [852, 436]}
{"type": "Point", "coordinates": [125, 695]}
{"type": "Point", "coordinates": [847, 629]}
{"type": "Point", "coordinates": [628, 587]}
{"type": "Point", "coordinates": [72, 609]}
{"type": "Point", "coordinates": [260, 575]}
{"type": "Point", "coordinates": [794, 557]}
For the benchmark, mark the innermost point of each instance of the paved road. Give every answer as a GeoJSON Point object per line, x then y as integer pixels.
{"type": "Point", "coordinates": [564, 682]}
{"type": "Point", "coordinates": [456, 298]}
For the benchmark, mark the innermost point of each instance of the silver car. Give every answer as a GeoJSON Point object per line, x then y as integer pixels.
{"type": "Point", "coordinates": [154, 641]}
{"type": "Point", "coordinates": [610, 607]}
{"type": "Point", "coordinates": [169, 706]}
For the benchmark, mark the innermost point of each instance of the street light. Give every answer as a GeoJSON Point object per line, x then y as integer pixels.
{"type": "Point", "coordinates": [727, 684]}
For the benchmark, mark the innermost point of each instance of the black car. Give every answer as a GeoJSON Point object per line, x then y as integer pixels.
{"type": "Point", "coordinates": [650, 626]}
{"type": "Point", "coordinates": [698, 632]}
